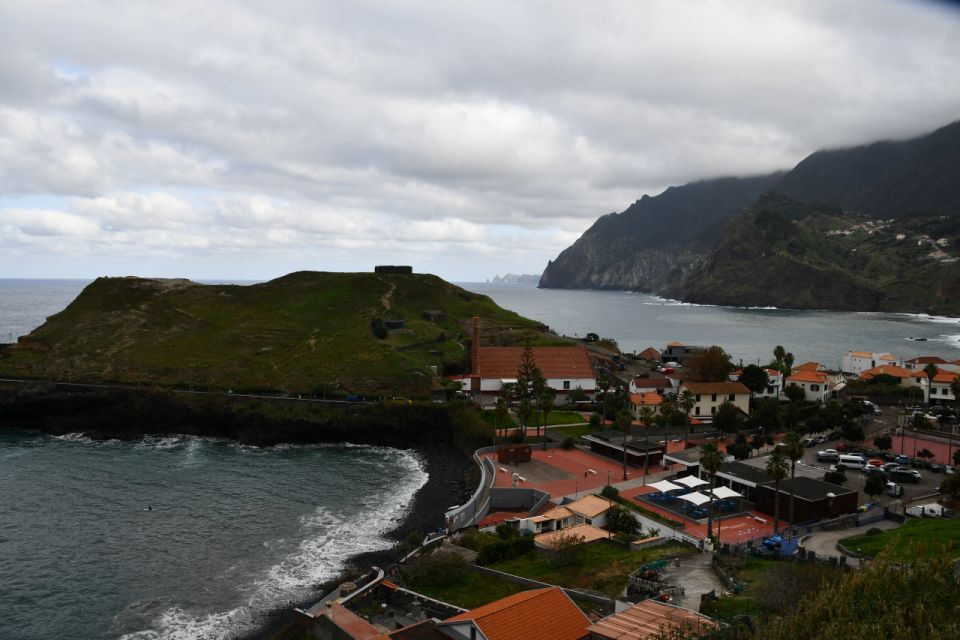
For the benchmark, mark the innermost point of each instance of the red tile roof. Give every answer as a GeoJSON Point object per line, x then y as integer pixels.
{"type": "Point", "coordinates": [808, 366]}
{"type": "Point", "coordinates": [540, 614]}
{"type": "Point", "coordinates": [649, 399]}
{"type": "Point", "coordinates": [649, 354]}
{"type": "Point", "coordinates": [649, 619]}
{"type": "Point", "coordinates": [892, 370]}
{"type": "Point", "coordinates": [553, 362]}
{"type": "Point", "coordinates": [717, 387]}
{"type": "Point", "coordinates": [945, 376]}
{"type": "Point", "coordinates": [927, 360]}
{"type": "Point", "coordinates": [808, 376]}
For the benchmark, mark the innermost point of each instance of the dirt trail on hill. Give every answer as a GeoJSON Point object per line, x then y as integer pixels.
{"type": "Point", "coordinates": [385, 298]}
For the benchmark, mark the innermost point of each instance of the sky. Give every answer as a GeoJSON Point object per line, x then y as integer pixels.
{"type": "Point", "coordinates": [245, 140]}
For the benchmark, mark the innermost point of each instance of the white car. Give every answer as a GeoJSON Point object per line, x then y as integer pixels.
{"type": "Point", "coordinates": [828, 455]}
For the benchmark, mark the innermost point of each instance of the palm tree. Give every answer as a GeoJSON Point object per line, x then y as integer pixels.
{"type": "Point", "coordinates": [778, 353]}
{"type": "Point", "coordinates": [687, 400]}
{"type": "Point", "coordinates": [710, 461]}
{"type": "Point", "coordinates": [793, 451]}
{"type": "Point", "coordinates": [645, 415]}
{"type": "Point", "coordinates": [777, 469]}
{"type": "Point", "coordinates": [623, 421]}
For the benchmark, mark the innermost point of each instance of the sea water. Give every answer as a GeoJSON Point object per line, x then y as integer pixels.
{"type": "Point", "coordinates": [181, 537]}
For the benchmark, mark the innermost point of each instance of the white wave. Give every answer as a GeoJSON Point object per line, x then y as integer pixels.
{"type": "Point", "coordinates": [85, 439]}
{"type": "Point", "coordinates": [330, 538]}
{"type": "Point", "coordinates": [160, 442]}
{"type": "Point", "coordinates": [925, 317]}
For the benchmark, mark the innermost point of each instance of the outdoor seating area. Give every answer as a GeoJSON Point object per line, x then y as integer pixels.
{"type": "Point", "coordinates": [684, 497]}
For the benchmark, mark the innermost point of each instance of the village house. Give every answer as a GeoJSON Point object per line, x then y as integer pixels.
{"type": "Point", "coordinates": [680, 353]}
{"type": "Point", "coordinates": [905, 378]}
{"type": "Point", "coordinates": [708, 397]}
{"type": "Point", "coordinates": [539, 614]}
{"type": "Point", "coordinates": [774, 383]}
{"type": "Point", "coordinates": [651, 620]}
{"type": "Point", "coordinates": [921, 362]}
{"type": "Point", "coordinates": [941, 387]}
{"type": "Point", "coordinates": [815, 385]}
{"type": "Point", "coordinates": [565, 369]}
{"type": "Point", "coordinates": [650, 384]}
{"type": "Point", "coordinates": [649, 400]}
{"type": "Point", "coordinates": [591, 510]}
{"type": "Point", "coordinates": [856, 362]}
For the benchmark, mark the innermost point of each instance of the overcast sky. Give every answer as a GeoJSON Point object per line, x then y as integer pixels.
{"type": "Point", "coordinates": [245, 140]}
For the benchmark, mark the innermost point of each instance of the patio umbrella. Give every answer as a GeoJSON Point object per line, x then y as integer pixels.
{"type": "Point", "coordinates": [691, 481]}
{"type": "Point", "coordinates": [665, 485]}
{"type": "Point", "coordinates": [695, 498]}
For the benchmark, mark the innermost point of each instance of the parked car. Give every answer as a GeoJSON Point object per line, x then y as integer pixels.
{"type": "Point", "coordinates": [904, 474]}
{"type": "Point", "coordinates": [820, 439]}
{"type": "Point", "coordinates": [809, 442]}
{"type": "Point", "coordinates": [828, 455]}
{"type": "Point", "coordinates": [875, 462]}
{"type": "Point", "coordinates": [902, 459]}
{"type": "Point", "coordinates": [890, 465]}
{"type": "Point", "coordinates": [842, 446]}
{"type": "Point", "coordinates": [916, 463]}
{"type": "Point", "coordinates": [888, 456]}
{"type": "Point", "coordinates": [948, 469]}
{"type": "Point", "coordinates": [894, 489]}
{"type": "Point", "coordinates": [936, 467]}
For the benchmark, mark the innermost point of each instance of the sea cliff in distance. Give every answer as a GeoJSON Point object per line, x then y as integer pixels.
{"type": "Point", "coordinates": [307, 332]}
{"type": "Point", "coordinates": [515, 278]}
{"type": "Point", "coordinates": [871, 228]}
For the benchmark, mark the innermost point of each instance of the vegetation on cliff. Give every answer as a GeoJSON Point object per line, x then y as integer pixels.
{"type": "Point", "coordinates": [885, 239]}
{"type": "Point", "coordinates": [307, 332]}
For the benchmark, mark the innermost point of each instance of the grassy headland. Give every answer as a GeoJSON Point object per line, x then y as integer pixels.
{"type": "Point", "coordinates": [306, 332]}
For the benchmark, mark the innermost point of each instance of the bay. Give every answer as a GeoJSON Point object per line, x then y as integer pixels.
{"type": "Point", "coordinates": [637, 321]}
{"type": "Point", "coordinates": [181, 537]}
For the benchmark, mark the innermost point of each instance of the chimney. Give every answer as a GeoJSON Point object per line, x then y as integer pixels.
{"type": "Point", "coordinates": [475, 357]}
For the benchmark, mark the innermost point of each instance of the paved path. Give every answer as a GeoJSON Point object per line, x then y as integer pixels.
{"type": "Point", "coordinates": [696, 576]}
{"type": "Point", "coordinates": [824, 543]}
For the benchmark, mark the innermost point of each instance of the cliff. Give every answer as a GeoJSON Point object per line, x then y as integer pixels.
{"type": "Point", "coordinates": [716, 242]}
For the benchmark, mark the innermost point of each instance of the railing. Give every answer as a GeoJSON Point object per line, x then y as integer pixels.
{"type": "Point", "coordinates": [474, 510]}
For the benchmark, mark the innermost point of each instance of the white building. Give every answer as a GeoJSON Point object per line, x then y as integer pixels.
{"type": "Point", "coordinates": [856, 362]}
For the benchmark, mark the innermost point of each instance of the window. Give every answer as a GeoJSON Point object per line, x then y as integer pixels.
{"type": "Point", "coordinates": [769, 390]}
{"type": "Point", "coordinates": [697, 411]}
{"type": "Point", "coordinates": [814, 387]}
{"type": "Point", "coordinates": [713, 410]}
{"type": "Point", "coordinates": [566, 384]}
{"type": "Point", "coordinates": [698, 397]}
{"type": "Point", "coordinates": [713, 397]}
{"type": "Point", "coordinates": [732, 397]}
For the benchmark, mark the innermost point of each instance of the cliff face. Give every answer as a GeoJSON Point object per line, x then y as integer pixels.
{"type": "Point", "coordinates": [656, 240]}
{"type": "Point", "coordinates": [723, 242]}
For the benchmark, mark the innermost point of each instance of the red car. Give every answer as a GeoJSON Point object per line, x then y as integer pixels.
{"type": "Point", "coordinates": [875, 463]}
{"type": "Point", "coordinates": [841, 446]}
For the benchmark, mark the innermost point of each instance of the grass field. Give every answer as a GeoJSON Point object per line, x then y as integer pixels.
{"type": "Point", "coordinates": [603, 567]}
{"type": "Point", "coordinates": [927, 538]}
{"type": "Point", "coordinates": [571, 432]}
{"type": "Point", "coordinates": [471, 589]}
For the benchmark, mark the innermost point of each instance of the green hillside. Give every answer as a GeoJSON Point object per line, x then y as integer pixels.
{"type": "Point", "coordinates": [793, 254]}
{"type": "Point", "coordinates": [306, 332]}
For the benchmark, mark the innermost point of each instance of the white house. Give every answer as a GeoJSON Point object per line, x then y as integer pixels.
{"type": "Point", "coordinates": [774, 383]}
{"type": "Point", "coordinates": [817, 385]}
{"type": "Point", "coordinates": [941, 387]}
{"type": "Point", "coordinates": [905, 378]}
{"type": "Point", "coordinates": [856, 362]}
{"type": "Point", "coordinates": [708, 397]}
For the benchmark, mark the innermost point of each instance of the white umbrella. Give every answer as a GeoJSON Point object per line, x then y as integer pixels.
{"type": "Point", "coordinates": [665, 485]}
{"type": "Point", "coordinates": [691, 481]}
{"type": "Point", "coordinates": [695, 497]}
{"type": "Point", "coordinates": [725, 492]}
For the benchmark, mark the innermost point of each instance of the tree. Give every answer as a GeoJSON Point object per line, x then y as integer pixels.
{"type": "Point", "coordinates": [778, 353]}
{"type": "Point", "coordinates": [710, 365]}
{"type": "Point", "coordinates": [545, 403]}
{"type": "Point", "coordinates": [754, 378]}
{"type": "Point", "coordinates": [926, 454]}
{"type": "Point", "coordinates": [524, 411]}
{"type": "Point", "coordinates": [788, 362]}
{"type": "Point", "coordinates": [794, 393]}
{"type": "Point", "coordinates": [956, 457]}
{"type": "Point", "coordinates": [931, 371]}
{"type": "Point", "coordinates": [621, 521]}
{"type": "Point", "coordinates": [727, 419]}
{"type": "Point", "coordinates": [526, 372]}
{"type": "Point", "coordinates": [502, 414]}
{"type": "Point", "coordinates": [955, 390]}
{"type": "Point", "coordinates": [710, 461]}
{"type": "Point", "coordinates": [686, 401]}
{"type": "Point", "coordinates": [793, 450]}
{"type": "Point", "coordinates": [777, 469]}
{"type": "Point", "coordinates": [595, 420]}
{"type": "Point", "coordinates": [875, 484]}
{"type": "Point", "coordinates": [646, 415]}
{"type": "Point", "coordinates": [950, 486]}
{"type": "Point", "coordinates": [836, 475]}
{"type": "Point", "coordinates": [767, 416]}
{"type": "Point", "coordinates": [884, 443]}
{"type": "Point", "coordinates": [623, 421]}
{"type": "Point", "coordinates": [538, 385]}
{"type": "Point", "coordinates": [740, 449]}
{"type": "Point", "coordinates": [604, 386]}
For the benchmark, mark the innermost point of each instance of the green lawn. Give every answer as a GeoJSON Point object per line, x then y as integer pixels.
{"type": "Point", "coordinates": [564, 417]}
{"type": "Point", "coordinates": [571, 432]}
{"type": "Point", "coordinates": [604, 567]}
{"type": "Point", "coordinates": [470, 590]}
{"type": "Point", "coordinates": [927, 537]}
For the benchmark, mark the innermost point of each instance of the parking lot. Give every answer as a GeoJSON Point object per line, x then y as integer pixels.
{"type": "Point", "coordinates": [928, 484]}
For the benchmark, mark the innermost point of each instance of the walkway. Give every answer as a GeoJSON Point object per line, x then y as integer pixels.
{"type": "Point", "coordinates": [824, 543]}
{"type": "Point", "coordinates": [696, 576]}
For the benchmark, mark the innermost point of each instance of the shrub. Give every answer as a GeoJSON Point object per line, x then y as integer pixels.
{"type": "Point", "coordinates": [379, 328]}
{"type": "Point", "coordinates": [568, 443]}
{"type": "Point", "coordinates": [505, 549]}
{"type": "Point", "coordinates": [610, 492]}
{"type": "Point", "coordinates": [438, 569]}
{"type": "Point", "coordinates": [874, 531]}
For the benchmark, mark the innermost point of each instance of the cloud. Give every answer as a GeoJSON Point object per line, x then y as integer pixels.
{"type": "Point", "coordinates": [451, 133]}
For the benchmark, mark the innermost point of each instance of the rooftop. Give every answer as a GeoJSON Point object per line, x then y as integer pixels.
{"type": "Point", "coordinates": [811, 489]}
{"type": "Point", "coordinates": [553, 362]}
{"type": "Point", "coordinates": [540, 614]}
{"type": "Point", "coordinates": [648, 620]}
{"type": "Point", "coordinates": [588, 532]}
{"type": "Point", "coordinates": [589, 506]}
{"type": "Point", "coordinates": [717, 387]}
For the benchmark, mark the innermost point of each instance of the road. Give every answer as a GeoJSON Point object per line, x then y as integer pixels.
{"type": "Point", "coordinates": [824, 543]}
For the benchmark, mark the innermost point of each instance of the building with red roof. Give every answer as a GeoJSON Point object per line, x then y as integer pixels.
{"type": "Point", "coordinates": [540, 614]}
{"type": "Point", "coordinates": [651, 620]}
{"type": "Point", "coordinates": [905, 378]}
{"type": "Point", "coordinates": [708, 396]}
{"type": "Point", "coordinates": [942, 387]}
